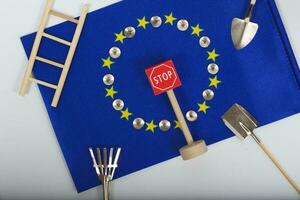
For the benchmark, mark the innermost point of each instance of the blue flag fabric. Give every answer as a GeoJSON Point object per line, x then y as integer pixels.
{"type": "Point", "coordinates": [264, 77]}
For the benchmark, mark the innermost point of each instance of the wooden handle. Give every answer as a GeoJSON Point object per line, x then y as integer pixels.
{"type": "Point", "coordinates": [185, 129]}
{"type": "Point", "coordinates": [250, 10]}
{"type": "Point", "coordinates": [105, 186]}
{"type": "Point", "coordinates": [277, 164]}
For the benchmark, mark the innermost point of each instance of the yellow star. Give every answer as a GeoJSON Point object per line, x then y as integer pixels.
{"type": "Point", "coordinates": [107, 62]}
{"type": "Point", "coordinates": [125, 114]}
{"type": "Point", "coordinates": [170, 19]}
{"type": "Point", "coordinates": [177, 125]}
{"type": "Point", "coordinates": [212, 55]}
{"type": "Point", "coordinates": [203, 107]}
{"type": "Point", "coordinates": [143, 22]}
{"type": "Point", "coordinates": [120, 37]}
{"type": "Point", "coordinates": [151, 126]}
{"type": "Point", "coordinates": [111, 92]}
{"type": "Point", "coordinates": [197, 30]}
{"type": "Point", "coordinates": [214, 82]}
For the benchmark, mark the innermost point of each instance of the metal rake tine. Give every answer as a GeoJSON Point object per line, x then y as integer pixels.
{"type": "Point", "coordinates": [105, 161]}
{"type": "Point", "coordinates": [116, 162]}
{"type": "Point", "coordinates": [110, 161]}
{"type": "Point", "coordinates": [94, 161]}
{"type": "Point", "coordinates": [99, 160]}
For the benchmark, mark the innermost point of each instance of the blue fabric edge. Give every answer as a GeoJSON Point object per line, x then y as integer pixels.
{"type": "Point", "coordinates": [285, 40]}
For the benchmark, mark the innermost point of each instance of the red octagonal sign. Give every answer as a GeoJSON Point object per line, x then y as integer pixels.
{"type": "Point", "coordinates": [163, 77]}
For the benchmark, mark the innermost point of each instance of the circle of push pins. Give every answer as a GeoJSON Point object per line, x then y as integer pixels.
{"type": "Point", "coordinates": [129, 32]}
{"type": "Point", "coordinates": [213, 68]}
{"type": "Point", "coordinates": [115, 52]}
{"type": "Point", "coordinates": [118, 104]}
{"type": "Point", "coordinates": [138, 123]}
{"type": "Point", "coordinates": [182, 25]}
{"type": "Point", "coordinates": [208, 94]}
{"type": "Point", "coordinates": [191, 116]}
{"type": "Point", "coordinates": [204, 42]}
{"type": "Point", "coordinates": [156, 21]}
{"type": "Point", "coordinates": [108, 79]}
{"type": "Point", "coordinates": [164, 125]}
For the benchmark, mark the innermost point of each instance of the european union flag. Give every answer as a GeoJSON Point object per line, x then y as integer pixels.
{"type": "Point", "coordinates": [107, 100]}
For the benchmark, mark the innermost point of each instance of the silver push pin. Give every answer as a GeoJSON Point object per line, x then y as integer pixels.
{"type": "Point", "coordinates": [156, 21]}
{"type": "Point", "coordinates": [105, 167]}
{"type": "Point", "coordinates": [242, 124]}
{"type": "Point", "coordinates": [243, 30]}
{"type": "Point", "coordinates": [129, 32]}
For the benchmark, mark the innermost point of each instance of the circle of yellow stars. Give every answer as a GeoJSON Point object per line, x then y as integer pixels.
{"type": "Point", "coordinates": [143, 23]}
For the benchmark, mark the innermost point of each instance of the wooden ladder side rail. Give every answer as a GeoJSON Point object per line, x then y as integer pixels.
{"type": "Point", "coordinates": [70, 55]}
{"type": "Point", "coordinates": [35, 48]}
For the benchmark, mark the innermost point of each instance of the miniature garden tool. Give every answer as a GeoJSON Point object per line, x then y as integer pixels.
{"type": "Point", "coordinates": [243, 30]}
{"type": "Point", "coordinates": [163, 79]}
{"type": "Point", "coordinates": [242, 124]}
{"type": "Point", "coordinates": [105, 169]}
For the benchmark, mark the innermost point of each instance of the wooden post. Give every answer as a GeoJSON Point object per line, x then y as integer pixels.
{"type": "Point", "coordinates": [178, 112]}
{"type": "Point", "coordinates": [192, 149]}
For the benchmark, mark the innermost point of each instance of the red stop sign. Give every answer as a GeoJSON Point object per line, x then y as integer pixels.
{"type": "Point", "coordinates": [163, 77]}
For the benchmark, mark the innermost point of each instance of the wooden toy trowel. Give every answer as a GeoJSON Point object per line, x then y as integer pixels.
{"type": "Point", "coordinates": [243, 30]}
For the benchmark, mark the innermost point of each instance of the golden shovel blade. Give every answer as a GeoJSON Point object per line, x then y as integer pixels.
{"type": "Point", "coordinates": [242, 32]}
{"type": "Point", "coordinates": [240, 121]}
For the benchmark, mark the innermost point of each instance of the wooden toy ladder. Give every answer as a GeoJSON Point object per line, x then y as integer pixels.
{"type": "Point", "coordinates": [66, 66]}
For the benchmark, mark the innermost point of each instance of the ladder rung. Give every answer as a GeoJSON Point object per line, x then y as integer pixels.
{"type": "Point", "coordinates": [57, 39]}
{"type": "Point", "coordinates": [50, 62]}
{"type": "Point", "coordinates": [63, 16]}
{"type": "Point", "coordinates": [49, 85]}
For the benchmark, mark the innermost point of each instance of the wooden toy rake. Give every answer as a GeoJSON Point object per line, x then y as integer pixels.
{"type": "Point", "coordinates": [105, 168]}
{"type": "Point", "coordinates": [242, 124]}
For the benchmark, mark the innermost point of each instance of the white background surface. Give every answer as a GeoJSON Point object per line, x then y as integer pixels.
{"type": "Point", "coordinates": [32, 166]}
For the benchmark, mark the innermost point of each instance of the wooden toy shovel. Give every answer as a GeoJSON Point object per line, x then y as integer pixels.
{"type": "Point", "coordinates": [242, 124]}
{"type": "Point", "coordinates": [163, 79]}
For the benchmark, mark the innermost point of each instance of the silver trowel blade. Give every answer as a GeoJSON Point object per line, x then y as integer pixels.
{"type": "Point", "coordinates": [239, 121]}
{"type": "Point", "coordinates": [242, 32]}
